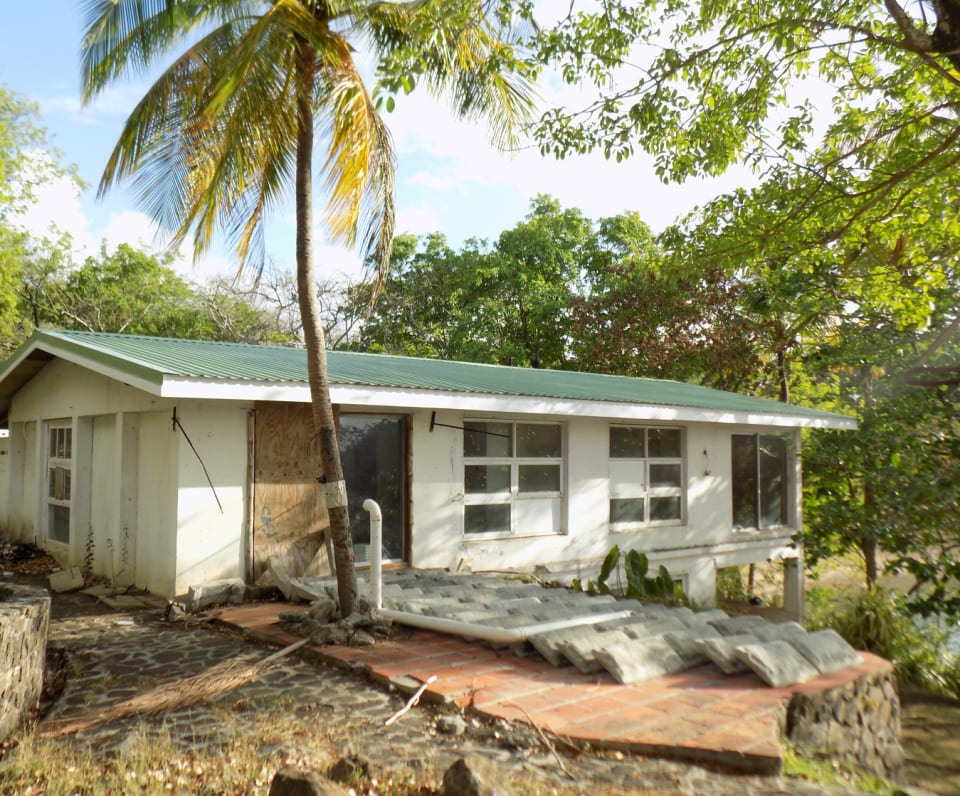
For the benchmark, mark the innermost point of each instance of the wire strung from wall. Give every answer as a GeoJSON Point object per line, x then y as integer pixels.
{"type": "Point", "coordinates": [176, 425]}
{"type": "Point", "coordinates": [434, 422]}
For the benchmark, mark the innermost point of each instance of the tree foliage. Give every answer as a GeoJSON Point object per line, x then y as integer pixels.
{"type": "Point", "coordinates": [21, 138]}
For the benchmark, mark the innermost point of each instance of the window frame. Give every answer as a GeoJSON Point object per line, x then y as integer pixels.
{"type": "Point", "coordinates": [646, 491]}
{"type": "Point", "coordinates": [514, 494]}
{"type": "Point", "coordinates": [55, 462]}
{"type": "Point", "coordinates": [760, 497]}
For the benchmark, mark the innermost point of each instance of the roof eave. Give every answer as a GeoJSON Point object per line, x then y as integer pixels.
{"type": "Point", "coordinates": [412, 398]}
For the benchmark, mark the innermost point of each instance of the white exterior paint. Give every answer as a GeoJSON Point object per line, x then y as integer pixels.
{"type": "Point", "coordinates": [140, 501]}
{"type": "Point", "coordinates": [142, 505]}
{"type": "Point", "coordinates": [209, 541]}
{"type": "Point", "coordinates": [693, 549]}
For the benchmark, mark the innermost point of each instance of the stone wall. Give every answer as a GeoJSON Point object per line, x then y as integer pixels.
{"type": "Point", "coordinates": [24, 620]}
{"type": "Point", "coordinates": [857, 723]}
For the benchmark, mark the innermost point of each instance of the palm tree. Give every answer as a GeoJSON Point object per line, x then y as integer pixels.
{"type": "Point", "coordinates": [219, 138]}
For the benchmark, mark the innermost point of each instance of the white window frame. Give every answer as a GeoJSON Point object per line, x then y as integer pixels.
{"type": "Point", "coordinates": [642, 490]}
{"type": "Point", "coordinates": [55, 460]}
{"type": "Point", "coordinates": [514, 497]}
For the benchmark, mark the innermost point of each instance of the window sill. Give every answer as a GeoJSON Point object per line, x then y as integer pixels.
{"type": "Point", "coordinates": [496, 536]}
{"type": "Point", "coordinates": [647, 526]}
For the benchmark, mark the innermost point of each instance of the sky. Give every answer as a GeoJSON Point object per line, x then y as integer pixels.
{"type": "Point", "coordinates": [449, 178]}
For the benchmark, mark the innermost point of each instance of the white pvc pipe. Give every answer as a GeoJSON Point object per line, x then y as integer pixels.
{"type": "Point", "coordinates": [498, 635]}
{"type": "Point", "coordinates": [376, 552]}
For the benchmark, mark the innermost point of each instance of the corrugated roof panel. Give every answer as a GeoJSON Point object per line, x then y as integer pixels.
{"type": "Point", "coordinates": [194, 359]}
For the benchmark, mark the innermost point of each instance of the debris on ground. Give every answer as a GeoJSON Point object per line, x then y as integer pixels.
{"type": "Point", "coordinates": [25, 558]}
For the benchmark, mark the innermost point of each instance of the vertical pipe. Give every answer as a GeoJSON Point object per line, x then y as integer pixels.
{"type": "Point", "coordinates": [376, 552]}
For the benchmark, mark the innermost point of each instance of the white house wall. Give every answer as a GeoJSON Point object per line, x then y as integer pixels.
{"type": "Point", "coordinates": [156, 516]}
{"type": "Point", "coordinates": [694, 548]}
{"type": "Point", "coordinates": [210, 541]}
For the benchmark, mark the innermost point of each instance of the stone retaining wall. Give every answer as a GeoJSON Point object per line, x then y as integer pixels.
{"type": "Point", "coordinates": [856, 723]}
{"type": "Point", "coordinates": [24, 620]}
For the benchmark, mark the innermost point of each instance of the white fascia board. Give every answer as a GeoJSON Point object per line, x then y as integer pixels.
{"type": "Point", "coordinates": [346, 395]}
{"type": "Point", "coordinates": [117, 374]}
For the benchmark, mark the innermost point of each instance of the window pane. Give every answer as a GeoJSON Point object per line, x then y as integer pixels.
{"type": "Point", "coordinates": [665, 475]}
{"type": "Point", "coordinates": [664, 443]}
{"type": "Point", "coordinates": [627, 443]}
{"type": "Point", "coordinates": [539, 478]}
{"type": "Point", "coordinates": [53, 443]}
{"type": "Point", "coordinates": [487, 439]}
{"type": "Point", "coordinates": [539, 440]}
{"type": "Point", "coordinates": [623, 510]}
{"type": "Point", "coordinates": [59, 529]}
{"type": "Point", "coordinates": [773, 481]}
{"type": "Point", "coordinates": [67, 443]}
{"type": "Point", "coordinates": [486, 478]}
{"type": "Point", "coordinates": [665, 508]}
{"type": "Point", "coordinates": [483, 519]}
{"type": "Point", "coordinates": [744, 475]}
{"type": "Point", "coordinates": [59, 483]}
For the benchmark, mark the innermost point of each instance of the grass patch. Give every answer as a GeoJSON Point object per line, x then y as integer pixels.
{"type": "Point", "coordinates": [150, 763]}
{"type": "Point", "coordinates": [829, 772]}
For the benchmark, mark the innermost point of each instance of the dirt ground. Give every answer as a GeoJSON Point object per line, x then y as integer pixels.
{"type": "Point", "coordinates": [930, 723]}
{"type": "Point", "coordinates": [931, 741]}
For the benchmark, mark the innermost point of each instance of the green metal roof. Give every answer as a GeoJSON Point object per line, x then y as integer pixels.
{"type": "Point", "coordinates": [154, 359]}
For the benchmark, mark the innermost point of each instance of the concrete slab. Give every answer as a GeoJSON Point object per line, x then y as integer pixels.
{"type": "Point", "coordinates": [638, 660]}
{"type": "Point", "coordinates": [684, 642]}
{"type": "Point", "coordinates": [229, 591]}
{"type": "Point", "coordinates": [777, 663]}
{"type": "Point", "coordinates": [826, 650]}
{"type": "Point", "coordinates": [778, 631]}
{"type": "Point", "coordinates": [70, 579]}
{"type": "Point", "coordinates": [722, 651]}
{"type": "Point", "coordinates": [736, 625]}
{"type": "Point", "coordinates": [644, 627]}
{"type": "Point", "coordinates": [581, 649]}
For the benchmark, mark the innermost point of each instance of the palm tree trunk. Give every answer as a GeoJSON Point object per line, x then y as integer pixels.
{"type": "Point", "coordinates": [323, 418]}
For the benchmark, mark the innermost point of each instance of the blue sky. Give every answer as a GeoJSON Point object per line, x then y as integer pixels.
{"type": "Point", "coordinates": [449, 179]}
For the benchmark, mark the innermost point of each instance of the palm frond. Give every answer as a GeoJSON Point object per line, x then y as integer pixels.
{"type": "Point", "coordinates": [360, 165]}
{"type": "Point", "coordinates": [124, 37]}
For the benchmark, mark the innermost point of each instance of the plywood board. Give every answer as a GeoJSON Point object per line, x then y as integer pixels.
{"type": "Point", "coordinates": [289, 515]}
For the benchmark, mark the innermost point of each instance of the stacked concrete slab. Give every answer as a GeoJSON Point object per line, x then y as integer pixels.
{"type": "Point", "coordinates": [652, 641]}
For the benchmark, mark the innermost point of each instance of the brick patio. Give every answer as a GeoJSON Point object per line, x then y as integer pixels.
{"type": "Point", "coordinates": [700, 714]}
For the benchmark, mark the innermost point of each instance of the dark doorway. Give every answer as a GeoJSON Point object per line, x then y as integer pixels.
{"type": "Point", "coordinates": [373, 450]}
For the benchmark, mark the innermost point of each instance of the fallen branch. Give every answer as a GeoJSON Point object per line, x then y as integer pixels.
{"type": "Point", "coordinates": [183, 693]}
{"type": "Point", "coordinates": [412, 701]}
{"type": "Point", "coordinates": [545, 739]}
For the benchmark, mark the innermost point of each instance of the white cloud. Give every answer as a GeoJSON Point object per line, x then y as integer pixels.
{"type": "Point", "coordinates": [417, 220]}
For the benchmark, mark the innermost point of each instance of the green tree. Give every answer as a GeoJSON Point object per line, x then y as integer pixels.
{"type": "Point", "coordinates": [636, 316]}
{"type": "Point", "coordinates": [229, 126]}
{"type": "Point", "coordinates": [506, 304]}
{"type": "Point", "coordinates": [25, 159]}
{"type": "Point", "coordinates": [847, 110]}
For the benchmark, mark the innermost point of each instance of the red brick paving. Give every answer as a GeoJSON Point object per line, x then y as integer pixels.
{"type": "Point", "coordinates": [699, 714]}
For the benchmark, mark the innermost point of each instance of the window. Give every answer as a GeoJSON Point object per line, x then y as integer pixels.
{"type": "Point", "coordinates": [759, 479]}
{"type": "Point", "coordinates": [59, 456]}
{"type": "Point", "coordinates": [646, 476]}
{"type": "Point", "coordinates": [512, 477]}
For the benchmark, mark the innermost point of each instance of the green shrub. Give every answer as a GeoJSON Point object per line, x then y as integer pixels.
{"type": "Point", "coordinates": [639, 586]}
{"type": "Point", "coordinates": [876, 620]}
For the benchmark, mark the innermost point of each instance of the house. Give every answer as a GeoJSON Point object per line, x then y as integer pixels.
{"type": "Point", "coordinates": [164, 463]}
